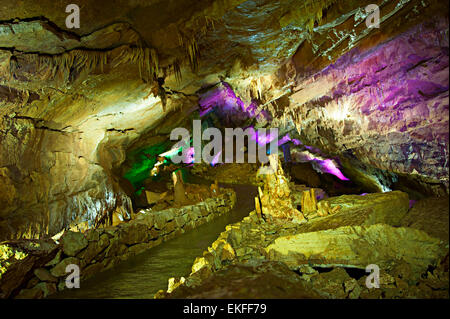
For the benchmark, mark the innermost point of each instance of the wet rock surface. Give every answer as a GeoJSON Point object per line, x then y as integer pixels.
{"type": "Point", "coordinates": [383, 107]}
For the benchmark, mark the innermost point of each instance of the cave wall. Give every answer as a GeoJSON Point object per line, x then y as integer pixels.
{"type": "Point", "coordinates": [387, 106]}
{"type": "Point", "coordinates": [66, 120]}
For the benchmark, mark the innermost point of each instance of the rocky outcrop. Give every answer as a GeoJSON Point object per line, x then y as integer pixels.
{"type": "Point", "coordinates": [74, 100]}
{"type": "Point", "coordinates": [387, 107]}
{"type": "Point", "coordinates": [430, 215]}
{"type": "Point", "coordinates": [357, 247]}
{"type": "Point", "coordinates": [330, 254]}
{"type": "Point", "coordinates": [384, 208]}
{"type": "Point", "coordinates": [257, 280]}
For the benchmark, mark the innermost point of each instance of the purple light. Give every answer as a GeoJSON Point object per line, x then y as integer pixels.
{"type": "Point", "coordinates": [330, 167]}
{"type": "Point", "coordinates": [189, 158]}
{"type": "Point", "coordinates": [287, 138]}
{"type": "Point", "coordinates": [224, 97]}
{"type": "Point", "coordinates": [320, 164]}
{"type": "Point", "coordinates": [261, 139]}
{"type": "Point", "coordinates": [284, 139]}
{"type": "Point", "coordinates": [215, 160]}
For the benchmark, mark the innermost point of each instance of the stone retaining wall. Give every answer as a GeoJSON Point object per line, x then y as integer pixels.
{"type": "Point", "coordinates": [43, 271]}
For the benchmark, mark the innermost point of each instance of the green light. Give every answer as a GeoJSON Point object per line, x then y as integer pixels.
{"type": "Point", "coordinates": [141, 164]}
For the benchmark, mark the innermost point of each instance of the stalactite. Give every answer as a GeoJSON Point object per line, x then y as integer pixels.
{"type": "Point", "coordinates": [177, 70]}
{"type": "Point", "coordinates": [189, 40]}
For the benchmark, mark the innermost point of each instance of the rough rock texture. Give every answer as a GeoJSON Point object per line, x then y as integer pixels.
{"type": "Point", "coordinates": [358, 246]}
{"type": "Point", "coordinates": [331, 253]}
{"type": "Point", "coordinates": [260, 280]}
{"type": "Point", "coordinates": [387, 106]}
{"type": "Point", "coordinates": [73, 243]}
{"type": "Point", "coordinates": [18, 260]}
{"type": "Point", "coordinates": [41, 270]}
{"type": "Point", "coordinates": [430, 215]}
{"type": "Point", "coordinates": [74, 100]}
{"type": "Point", "coordinates": [386, 208]}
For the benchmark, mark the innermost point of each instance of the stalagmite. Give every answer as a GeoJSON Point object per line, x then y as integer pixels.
{"type": "Point", "coordinates": [178, 188]}
{"type": "Point", "coordinates": [309, 202]}
{"type": "Point", "coordinates": [275, 198]}
{"type": "Point", "coordinates": [215, 188]}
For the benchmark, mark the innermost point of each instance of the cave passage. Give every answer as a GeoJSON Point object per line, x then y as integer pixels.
{"type": "Point", "coordinates": [142, 276]}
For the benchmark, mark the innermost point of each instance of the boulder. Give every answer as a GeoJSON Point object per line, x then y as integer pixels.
{"type": "Point", "coordinates": [223, 250]}
{"type": "Point", "coordinates": [159, 220]}
{"type": "Point", "coordinates": [388, 208]}
{"type": "Point", "coordinates": [358, 246]}
{"type": "Point", "coordinates": [170, 227]}
{"type": "Point", "coordinates": [45, 275]}
{"type": "Point", "coordinates": [333, 284]}
{"type": "Point", "coordinates": [181, 220]}
{"type": "Point", "coordinates": [253, 280]}
{"type": "Point", "coordinates": [60, 269]}
{"type": "Point", "coordinates": [133, 232]}
{"type": "Point", "coordinates": [73, 243]}
{"type": "Point", "coordinates": [94, 248]}
{"type": "Point", "coordinates": [360, 213]}
{"type": "Point", "coordinates": [55, 260]}
{"type": "Point", "coordinates": [115, 248]}
{"type": "Point", "coordinates": [430, 215]}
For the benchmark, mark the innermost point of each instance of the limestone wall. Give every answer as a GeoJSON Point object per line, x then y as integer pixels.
{"type": "Point", "coordinates": [42, 271]}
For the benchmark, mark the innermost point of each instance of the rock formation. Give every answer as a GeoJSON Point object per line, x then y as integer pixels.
{"type": "Point", "coordinates": [87, 116]}
{"type": "Point", "coordinates": [275, 198]}
{"type": "Point", "coordinates": [178, 188]}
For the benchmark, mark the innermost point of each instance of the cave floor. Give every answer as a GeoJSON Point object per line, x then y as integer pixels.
{"type": "Point", "coordinates": [143, 275]}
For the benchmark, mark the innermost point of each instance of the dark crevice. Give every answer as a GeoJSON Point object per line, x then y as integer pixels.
{"type": "Point", "coordinates": [321, 270]}
{"type": "Point", "coordinates": [355, 273]}
{"type": "Point", "coordinates": [119, 130]}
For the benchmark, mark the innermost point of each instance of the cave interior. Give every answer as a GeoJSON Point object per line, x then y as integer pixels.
{"type": "Point", "coordinates": [319, 128]}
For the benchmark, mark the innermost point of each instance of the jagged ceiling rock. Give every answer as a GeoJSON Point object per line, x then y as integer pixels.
{"type": "Point", "coordinates": [41, 36]}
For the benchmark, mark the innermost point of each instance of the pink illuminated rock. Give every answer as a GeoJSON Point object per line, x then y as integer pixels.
{"type": "Point", "coordinates": [388, 106]}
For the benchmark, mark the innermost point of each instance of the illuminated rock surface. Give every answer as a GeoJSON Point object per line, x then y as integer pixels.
{"type": "Point", "coordinates": [85, 115]}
